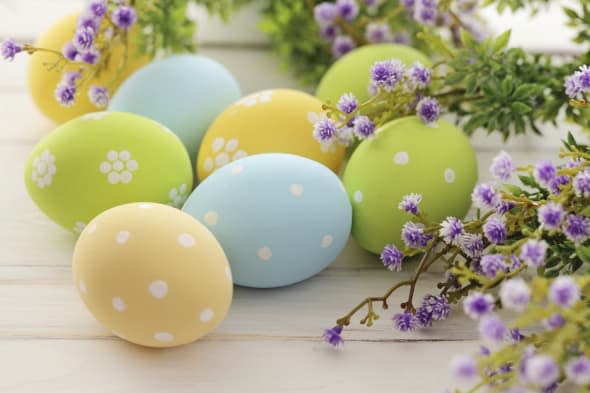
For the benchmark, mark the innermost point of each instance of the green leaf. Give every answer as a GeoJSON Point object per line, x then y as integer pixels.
{"type": "Point", "coordinates": [514, 190]}
{"type": "Point", "coordinates": [521, 108]}
{"type": "Point", "coordinates": [528, 181]}
{"type": "Point", "coordinates": [501, 41]}
{"type": "Point", "coordinates": [524, 91]}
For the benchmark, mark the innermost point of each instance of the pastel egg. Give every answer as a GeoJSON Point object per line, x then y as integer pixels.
{"type": "Point", "coordinates": [102, 160]}
{"type": "Point", "coordinates": [270, 121]}
{"type": "Point", "coordinates": [152, 274]}
{"type": "Point", "coordinates": [43, 81]}
{"type": "Point", "coordinates": [406, 156]}
{"type": "Point", "coordinates": [280, 218]}
{"type": "Point", "coordinates": [183, 92]}
{"type": "Point", "coordinates": [351, 73]}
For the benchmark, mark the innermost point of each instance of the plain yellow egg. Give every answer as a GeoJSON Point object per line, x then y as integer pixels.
{"type": "Point", "coordinates": [43, 81]}
{"type": "Point", "coordinates": [152, 274]}
{"type": "Point", "coordinates": [270, 121]}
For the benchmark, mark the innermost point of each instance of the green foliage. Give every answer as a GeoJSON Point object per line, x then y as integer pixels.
{"type": "Point", "coordinates": [514, 5]}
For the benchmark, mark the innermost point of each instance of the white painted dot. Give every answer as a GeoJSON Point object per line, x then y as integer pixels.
{"type": "Point", "coordinates": [118, 304]}
{"type": "Point", "coordinates": [240, 154]}
{"type": "Point", "coordinates": [296, 189]}
{"type": "Point", "coordinates": [231, 145]}
{"type": "Point", "coordinates": [82, 286]}
{"type": "Point", "coordinates": [112, 155]}
{"type": "Point", "coordinates": [145, 206]}
{"type": "Point", "coordinates": [358, 196]}
{"type": "Point", "coordinates": [118, 165]}
{"type": "Point", "coordinates": [228, 274]}
{"type": "Point", "coordinates": [238, 168]}
{"type": "Point", "coordinates": [264, 253]}
{"type": "Point", "coordinates": [113, 178]}
{"type": "Point", "coordinates": [163, 336]}
{"type": "Point", "coordinates": [401, 158]}
{"type": "Point", "coordinates": [123, 237]}
{"type": "Point", "coordinates": [105, 167]}
{"type": "Point", "coordinates": [186, 240]}
{"type": "Point", "coordinates": [211, 218]}
{"type": "Point", "coordinates": [124, 155]}
{"type": "Point", "coordinates": [221, 159]}
{"type": "Point", "coordinates": [449, 175]}
{"type": "Point", "coordinates": [132, 165]}
{"type": "Point", "coordinates": [158, 289]}
{"type": "Point", "coordinates": [91, 228]}
{"type": "Point", "coordinates": [327, 241]}
{"type": "Point", "coordinates": [217, 144]}
{"type": "Point", "coordinates": [126, 177]}
{"type": "Point", "coordinates": [208, 164]}
{"type": "Point", "coordinates": [206, 315]}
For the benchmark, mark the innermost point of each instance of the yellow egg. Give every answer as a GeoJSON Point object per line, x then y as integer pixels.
{"type": "Point", "coordinates": [270, 121]}
{"type": "Point", "coordinates": [42, 81]}
{"type": "Point", "coordinates": [152, 274]}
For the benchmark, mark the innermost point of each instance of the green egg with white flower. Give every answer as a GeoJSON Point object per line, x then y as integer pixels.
{"type": "Point", "coordinates": [105, 159]}
{"type": "Point", "coordinates": [407, 156]}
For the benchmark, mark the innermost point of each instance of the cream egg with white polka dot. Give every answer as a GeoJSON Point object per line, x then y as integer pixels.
{"type": "Point", "coordinates": [153, 274]}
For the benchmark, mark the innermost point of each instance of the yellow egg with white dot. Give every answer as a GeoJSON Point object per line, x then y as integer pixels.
{"type": "Point", "coordinates": [152, 274]}
{"type": "Point", "coordinates": [45, 70]}
{"type": "Point", "coordinates": [269, 121]}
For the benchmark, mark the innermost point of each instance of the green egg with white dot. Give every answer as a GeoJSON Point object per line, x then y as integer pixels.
{"type": "Point", "coordinates": [407, 156]}
{"type": "Point", "coordinates": [105, 159]}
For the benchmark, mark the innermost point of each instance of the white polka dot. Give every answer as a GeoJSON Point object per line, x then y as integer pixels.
{"type": "Point", "coordinates": [206, 315]}
{"type": "Point", "coordinates": [105, 167]}
{"type": "Point", "coordinates": [118, 304]}
{"type": "Point", "coordinates": [231, 145]}
{"type": "Point", "coordinates": [158, 289]}
{"type": "Point", "coordinates": [186, 240]}
{"type": "Point", "coordinates": [217, 144]}
{"type": "Point", "coordinates": [123, 237]}
{"type": "Point", "coordinates": [82, 286]}
{"type": "Point", "coordinates": [327, 241]}
{"type": "Point", "coordinates": [126, 177]}
{"type": "Point", "coordinates": [124, 155]}
{"type": "Point", "coordinates": [208, 164]}
{"type": "Point", "coordinates": [112, 155]}
{"type": "Point", "coordinates": [449, 175]}
{"type": "Point", "coordinates": [240, 154]}
{"type": "Point", "coordinates": [228, 274]}
{"type": "Point", "coordinates": [145, 206]}
{"type": "Point", "coordinates": [163, 336]}
{"type": "Point", "coordinates": [132, 165]}
{"type": "Point", "coordinates": [401, 158]}
{"type": "Point", "coordinates": [358, 196]}
{"type": "Point", "coordinates": [113, 178]}
{"type": "Point", "coordinates": [238, 168]}
{"type": "Point", "coordinates": [118, 165]}
{"type": "Point", "coordinates": [296, 189]}
{"type": "Point", "coordinates": [221, 159]}
{"type": "Point", "coordinates": [91, 228]}
{"type": "Point", "coordinates": [211, 218]}
{"type": "Point", "coordinates": [264, 253]}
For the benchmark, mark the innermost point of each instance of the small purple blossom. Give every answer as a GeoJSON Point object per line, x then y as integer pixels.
{"type": "Point", "coordinates": [533, 252]}
{"type": "Point", "coordinates": [405, 321]}
{"type": "Point", "coordinates": [329, 32]}
{"type": "Point", "coordinates": [324, 130]}
{"type": "Point", "coordinates": [83, 39]}
{"type": "Point", "coordinates": [515, 261]}
{"type": "Point", "coordinates": [413, 235]}
{"type": "Point", "coordinates": [332, 336]}
{"type": "Point", "coordinates": [409, 4]}
{"type": "Point", "coordinates": [581, 184]}
{"type": "Point", "coordinates": [90, 57]}
{"type": "Point", "coordinates": [555, 186]}
{"type": "Point", "coordinates": [89, 22]}
{"type": "Point", "coordinates": [99, 96]}
{"type": "Point", "coordinates": [392, 257]}
{"type": "Point", "coordinates": [577, 370]}
{"type": "Point", "coordinates": [424, 14]}
{"type": "Point", "coordinates": [437, 306]}
{"type": "Point", "coordinates": [550, 215]}
{"type": "Point", "coordinates": [423, 317]}
{"type": "Point", "coordinates": [347, 9]}
{"type": "Point", "coordinates": [402, 38]}
{"type": "Point", "coordinates": [515, 335]}
{"type": "Point", "coordinates": [65, 95]}
{"type": "Point", "coordinates": [428, 110]}
{"type": "Point", "coordinates": [478, 304]}
{"type": "Point", "coordinates": [124, 17]}
{"type": "Point", "coordinates": [491, 264]}
{"type": "Point", "coordinates": [98, 8]}
{"type": "Point", "coordinates": [515, 294]}
{"type": "Point", "coordinates": [555, 321]}
{"type": "Point", "coordinates": [502, 166]}
{"type": "Point", "coordinates": [325, 13]}
{"type": "Point", "coordinates": [347, 103]}
{"type": "Point", "coordinates": [463, 368]}
{"type": "Point", "coordinates": [545, 173]}
{"type": "Point", "coordinates": [410, 203]}
{"type": "Point", "coordinates": [419, 76]}
{"type": "Point", "coordinates": [492, 329]}
{"type": "Point", "coordinates": [9, 49]}
{"type": "Point", "coordinates": [495, 230]}
{"type": "Point", "coordinates": [378, 32]}
{"type": "Point", "coordinates": [69, 51]}
{"type": "Point", "coordinates": [69, 78]}
{"type": "Point", "coordinates": [485, 196]}
{"type": "Point", "coordinates": [451, 229]}
{"type": "Point", "coordinates": [541, 370]}
{"type": "Point", "coordinates": [364, 127]}
{"type": "Point", "coordinates": [345, 136]}
{"type": "Point", "coordinates": [576, 228]}
{"type": "Point", "coordinates": [387, 74]}
{"type": "Point", "coordinates": [572, 87]}
{"type": "Point", "coordinates": [471, 244]}
{"type": "Point", "coordinates": [564, 291]}
{"type": "Point", "coordinates": [341, 45]}
{"type": "Point", "coordinates": [504, 207]}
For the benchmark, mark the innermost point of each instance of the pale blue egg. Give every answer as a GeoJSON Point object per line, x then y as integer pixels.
{"type": "Point", "coordinates": [280, 218]}
{"type": "Point", "coordinates": [183, 92]}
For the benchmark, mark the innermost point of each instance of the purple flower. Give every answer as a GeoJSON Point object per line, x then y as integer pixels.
{"type": "Point", "coordinates": [69, 78]}
{"type": "Point", "coordinates": [419, 76]}
{"type": "Point", "coordinates": [378, 32]}
{"type": "Point", "coordinates": [348, 9]}
{"type": "Point", "coordinates": [533, 252]}
{"type": "Point", "coordinates": [124, 17]}
{"type": "Point", "coordinates": [364, 128]}
{"type": "Point", "coordinates": [564, 291]}
{"type": "Point", "coordinates": [347, 103]}
{"type": "Point", "coordinates": [425, 14]}
{"type": "Point", "coordinates": [485, 196]}
{"type": "Point", "coordinates": [89, 22]}
{"type": "Point", "coordinates": [516, 262]}
{"type": "Point", "coordinates": [541, 370]}
{"type": "Point", "coordinates": [515, 294]}
{"type": "Point", "coordinates": [450, 230]}
{"type": "Point", "coordinates": [545, 173]}
{"type": "Point", "coordinates": [345, 136]}
{"type": "Point", "coordinates": [423, 316]}
{"type": "Point", "coordinates": [550, 215]}
{"type": "Point", "coordinates": [555, 186]}
{"type": "Point", "coordinates": [495, 230]}
{"type": "Point", "coordinates": [438, 307]}
{"type": "Point", "coordinates": [463, 368]}
{"type": "Point", "coordinates": [572, 86]}
{"type": "Point", "coordinates": [90, 57]}
{"type": "Point", "coordinates": [502, 166]}
{"type": "Point", "coordinates": [83, 39]}
{"type": "Point", "coordinates": [65, 95]}
{"type": "Point", "coordinates": [555, 321]}
{"type": "Point", "coordinates": [387, 74]}
{"type": "Point", "coordinates": [515, 335]}
{"type": "Point", "coordinates": [472, 245]}
{"type": "Point", "coordinates": [491, 264]}
{"type": "Point", "coordinates": [324, 130]}
{"type": "Point", "coordinates": [582, 184]}
{"type": "Point", "coordinates": [98, 8]}
{"type": "Point", "coordinates": [428, 110]}
{"type": "Point", "coordinates": [392, 257]}
{"type": "Point", "coordinates": [409, 4]}
{"type": "Point", "coordinates": [70, 52]}
{"type": "Point", "coordinates": [332, 336]}
{"type": "Point", "coordinates": [9, 49]}
{"type": "Point", "coordinates": [583, 74]}
{"type": "Point", "coordinates": [576, 228]}
{"type": "Point", "coordinates": [329, 32]}
{"type": "Point", "coordinates": [492, 329]}
{"type": "Point", "coordinates": [342, 45]}
{"type": "Point", "coordinates": [402, 38]}
{"type": "Point", "coordinates": [99, 96]}
{"type": "Point", "coordinates": [413, 235]}
{"type": "Point", "coordinates": [325, 13]}
{"type": "Point", "coordinates": [405, 321]}
{"type": "Point", "coordinates": [504, 207]}
{"type": "Point", "coordinates": [410, 202]}
{"type": "Point", "coordinates": [577, 370]}
{"type": "Point", "coordinates": [478, 304]}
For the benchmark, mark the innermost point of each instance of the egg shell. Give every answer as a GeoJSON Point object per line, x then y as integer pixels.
{"type": "Point", "coordinates": [351, 73]}
{"type": "Point", "coordinates": [43, 82]}
{"type": "Point", "coordinates": [270, 121]}
{"type": "Point", "coordinates": [280, 218]}
{"type": "Point", "coordinates": [152, 274]}
{"type": "Point", "coordinates": [102, 160]}
{"type": "Point", "coordinates": [406, 156]}
{"type": "Point", "coordinates": [183, 92]}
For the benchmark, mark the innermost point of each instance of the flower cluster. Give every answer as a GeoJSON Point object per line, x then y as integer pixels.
{"type": "Point", "coordinates": [578, 83]}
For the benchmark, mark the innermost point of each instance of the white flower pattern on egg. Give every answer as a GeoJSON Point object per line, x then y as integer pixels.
{"type": "Point", "coordinates": [44, 168]}
{"type": "Point", "coordinates": [256, 98]}
{"type": "Point", "coordinates": [94, 116]}
{"type": "Point", "coordinates": [118, 167]}
{"type": "Point", "coordinates": [224, 152]}
{"type": "Point", "coordinates": [178, 195]}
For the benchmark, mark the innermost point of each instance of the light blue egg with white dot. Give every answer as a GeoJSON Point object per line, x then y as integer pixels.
{"type": "Point", "coordinates": [183, 92]}
{"type": "Point", "coordinates": [280, 218]}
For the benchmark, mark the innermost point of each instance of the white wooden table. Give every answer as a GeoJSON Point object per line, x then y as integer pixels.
{"type": "Point", "coordinates": [270, 339]}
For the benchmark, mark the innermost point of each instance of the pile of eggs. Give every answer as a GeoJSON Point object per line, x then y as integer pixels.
{"type": "Point", "coordinates": [184, 187]}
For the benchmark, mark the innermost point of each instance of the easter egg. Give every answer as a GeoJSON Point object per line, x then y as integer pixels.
{"type": "Point", "coordinates": [152, 274]}
{"type": "Point", "coordinates": [43, 80]}
{"type": "Point", "coordinates": [351, 73]}
{"type": "Point", "coordinates": [270, 121]}
{"type": "Point", "coordinates": [183, 92]}
{"type": "Point", "coordinates": [407, 156]}
{"type": "Point", "coordinates": [102, 160]}
{"type": "Point", "coordinates": [280, 218]}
